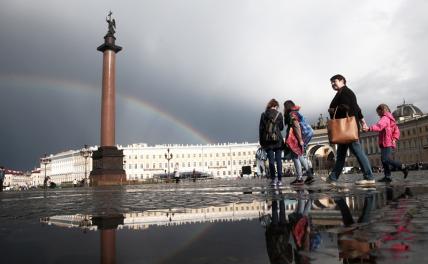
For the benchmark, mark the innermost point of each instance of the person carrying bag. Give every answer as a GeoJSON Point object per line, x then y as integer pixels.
{"type": "Point", "coordinates": [343, 129]}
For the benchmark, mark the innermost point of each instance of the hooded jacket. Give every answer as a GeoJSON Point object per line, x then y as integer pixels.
{"type": "Point", "coordinates": [388, 130]}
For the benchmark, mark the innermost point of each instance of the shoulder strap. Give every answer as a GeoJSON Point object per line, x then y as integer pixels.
{"type": "Point", "coordinates": [277, 114]}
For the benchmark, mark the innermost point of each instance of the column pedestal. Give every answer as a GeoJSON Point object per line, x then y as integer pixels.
{"type": "Point", "coordinates": [107, 167]}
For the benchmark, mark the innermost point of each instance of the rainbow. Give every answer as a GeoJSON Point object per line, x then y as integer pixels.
{"type": "Point", "coordinates": [27, 81]}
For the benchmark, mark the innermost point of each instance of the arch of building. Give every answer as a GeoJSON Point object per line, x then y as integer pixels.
{"type": "Point", "coordinates": [322, 156]}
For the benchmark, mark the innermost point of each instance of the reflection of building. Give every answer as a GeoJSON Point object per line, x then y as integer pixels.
{"type": "Point", "coordinates": [323, 212]}
{"type": "Point", "coordinates": [169, 217]}
{"type": "Point", "coordinates": [413, 144]}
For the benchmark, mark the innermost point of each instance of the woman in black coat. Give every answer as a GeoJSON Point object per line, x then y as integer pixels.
{"type": "Point", "coordinates": [272, 144]}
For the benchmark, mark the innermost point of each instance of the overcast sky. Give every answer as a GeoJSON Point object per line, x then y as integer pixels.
{"type": "Point", "coordinates": [209, 66]}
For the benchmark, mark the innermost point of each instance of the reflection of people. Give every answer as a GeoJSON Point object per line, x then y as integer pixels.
{"type": "Point", "coordinates": [1, 177]}
{"type": "Point", "coordinates": [74, 183]}
{"type": "Point", "coordinates": [354, 244]}
{"type": "Point", "coordinates": [278, 235]}
{"type": "Point", "coordinates": [305, 238]}
{"type": "Point", "coordinates": [287, 240]}
{"type": "Point", "coordinates": [345, 103]}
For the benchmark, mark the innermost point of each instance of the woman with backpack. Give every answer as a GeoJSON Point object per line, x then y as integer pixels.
{"type": "Point", "coordinates": [388, 135]}
{"type": "Point", "coordinates": [298, 135]}
{"type": "Point", "coordinates": [271, 140]}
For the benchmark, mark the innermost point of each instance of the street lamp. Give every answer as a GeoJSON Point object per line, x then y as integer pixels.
{"type": "Point", "coordinates": [86, 153]}
{"type": "Point", "coordinates": [168, 157]}
{"type": "Point", "coordinates": [45, 161]}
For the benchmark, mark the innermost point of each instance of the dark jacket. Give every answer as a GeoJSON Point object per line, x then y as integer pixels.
{"type": "Point", "coordinates": [345, 101]}
{"type": "Point", "coordinates": [271, 113]}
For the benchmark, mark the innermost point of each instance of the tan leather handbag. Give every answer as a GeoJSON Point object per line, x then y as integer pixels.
{"type": "Point", "coordinates": [342, 130]}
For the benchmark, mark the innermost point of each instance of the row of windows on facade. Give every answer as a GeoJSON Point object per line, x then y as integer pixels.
{"type": "Point", "coordinates": [195, 155]}
{"type": "Point", "coordinates": [205, 210]}
{"type": "Point", "coordinates": [214, 173]}
{"type": "Point", "coordinates": [189, 164]}
{"type": "Point", "coordinates": [404, 144]}
{"type": "Point", "coordinates": [413, 131]}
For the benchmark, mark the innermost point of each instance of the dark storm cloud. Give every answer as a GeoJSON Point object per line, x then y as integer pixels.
{"type": "Point", "coordinates": [212, 64]}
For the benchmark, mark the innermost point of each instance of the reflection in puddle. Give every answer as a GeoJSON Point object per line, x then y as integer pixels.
{"type": "Point", "coordinates": [300, 227]}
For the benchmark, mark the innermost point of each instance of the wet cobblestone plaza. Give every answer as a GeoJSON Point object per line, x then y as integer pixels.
{"type": "Point", "coordinates": [219, 221]}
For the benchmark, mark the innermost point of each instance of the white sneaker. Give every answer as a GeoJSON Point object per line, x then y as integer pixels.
{"type": "Point", "coordinates": [365, 182]}
{"type": "Point", "coordinates": [279, 183]}
{"type": "Point", "coordinates": [273, 182]}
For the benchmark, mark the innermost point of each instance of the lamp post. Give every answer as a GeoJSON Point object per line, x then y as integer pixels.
{"type": "Point", "coordinates": [86, 153]}
{"type": "Point", "coordinates": [45, 161]}
{"type": "Point", "coordinates": [168, 157]}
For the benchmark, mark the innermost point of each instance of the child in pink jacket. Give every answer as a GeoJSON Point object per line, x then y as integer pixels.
{"type": "Point", "coordinates": [388, 135]}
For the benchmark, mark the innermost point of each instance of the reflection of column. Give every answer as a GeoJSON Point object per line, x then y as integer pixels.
{"type": "Point", "coordinates": [107, 226]}
{"type": "Point", "coordinates": [108, 246]}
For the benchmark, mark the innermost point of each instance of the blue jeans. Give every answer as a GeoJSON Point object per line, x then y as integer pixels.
{"type": "Point", "coordinates": [358, 152]}
{"type": "Point", "coordinates": [274, 155]}
{"type": "Point", "coordinates": [387, 161]}
{"type": "Point", "coordinates": [298, 162]}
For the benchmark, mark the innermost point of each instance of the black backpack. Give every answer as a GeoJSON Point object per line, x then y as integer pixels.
{"type": "Point", "coordinates": [270, 132]}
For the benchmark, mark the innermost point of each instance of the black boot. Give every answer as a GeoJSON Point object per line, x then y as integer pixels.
{"type": "Point", "coordinates": [405, 170]}
{"type": "Point", "coordinates": [309, 180]}
{"type": "Point", "coordinates": [385, 180]}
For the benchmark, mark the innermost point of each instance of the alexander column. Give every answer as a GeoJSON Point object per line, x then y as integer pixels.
{"type": "Point", "coordinates": [108, 160]}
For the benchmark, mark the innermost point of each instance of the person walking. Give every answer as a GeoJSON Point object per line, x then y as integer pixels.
{"type": "Point", "coordinates": [261, 158]}
{"type": "Point", "coordinates": [270, 138]}
{"type": "Point", "coordinates": [345, 104]}
{"type": "Point", "coordinates": [2, 173]}
{"type": "Point", "coordinates": [389, 133]}
{"type": "Point", "coordinates": [298, 135]}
